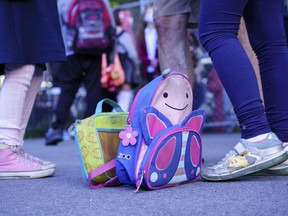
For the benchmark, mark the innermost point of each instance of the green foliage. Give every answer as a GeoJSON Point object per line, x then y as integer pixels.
{"type": "Point", "coordinates": [115, 3]}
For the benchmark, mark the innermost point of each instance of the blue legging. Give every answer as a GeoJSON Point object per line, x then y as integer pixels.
{"type": "Point", "coordinates": [218, 28]}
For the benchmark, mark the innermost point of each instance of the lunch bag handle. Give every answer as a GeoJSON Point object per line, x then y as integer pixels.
{"type": "Point", "coordinates": [112, 103]}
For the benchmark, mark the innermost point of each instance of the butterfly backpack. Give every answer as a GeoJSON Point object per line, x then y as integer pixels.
{"type": "Point", "coordinates": [161, 145]}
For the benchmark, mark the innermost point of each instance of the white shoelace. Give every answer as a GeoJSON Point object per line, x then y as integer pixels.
{"type": "Point", "coordinates": [22, 156]}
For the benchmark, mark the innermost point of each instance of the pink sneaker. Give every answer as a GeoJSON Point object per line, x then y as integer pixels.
{"type": "Point", "coordinates": [16, 164]}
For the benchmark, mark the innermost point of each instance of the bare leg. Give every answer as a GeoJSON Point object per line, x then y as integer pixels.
{"type": "Point", "coordinates": [173, 44]}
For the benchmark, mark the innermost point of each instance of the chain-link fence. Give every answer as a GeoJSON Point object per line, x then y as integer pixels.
{"type": "Point", "coordinates": [208, 93]}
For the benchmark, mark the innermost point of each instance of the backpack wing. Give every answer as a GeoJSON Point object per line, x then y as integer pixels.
{"type": "Point", "coordinates": [195, 120]}
{"type": "Point", "coordinates": [152, 122]}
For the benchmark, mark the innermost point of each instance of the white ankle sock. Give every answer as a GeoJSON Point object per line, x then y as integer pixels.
{"type": "Point", "coordinates": [124, 99]}
{"type": "Point", "coordinates": [258, 138]}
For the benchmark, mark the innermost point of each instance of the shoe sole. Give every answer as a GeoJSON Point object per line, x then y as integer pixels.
{"type": "Point", "coordinates": [49, 165]}
{"type": "Point", "coordinates": [274, 171]}
{"type": "Point", "coordinates": [27, 175]}
{"type": "Point", "coordinates": [264, 164]}
{"type": "Point", "coordinates": [269, 172]}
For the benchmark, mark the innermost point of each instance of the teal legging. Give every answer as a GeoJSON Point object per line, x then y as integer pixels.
{"type": "Point", "coordinates": [218, 28]}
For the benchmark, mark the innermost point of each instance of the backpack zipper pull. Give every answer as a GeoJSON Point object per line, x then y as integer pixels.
{"type": "Point", "coordinates": [139, 182]}
{"type": "Point", "coordinates": [72, 126]}
{"type": "Point", "coordinates": [128, 136]}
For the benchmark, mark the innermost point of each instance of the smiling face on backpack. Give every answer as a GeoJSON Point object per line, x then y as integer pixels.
{"type": "Point", "coordinates": [174, 98]}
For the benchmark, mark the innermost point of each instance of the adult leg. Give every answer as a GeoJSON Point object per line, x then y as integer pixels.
{"type": "Point", "coordinates": [69, 81]}
{"type": "Point", "coordinates": [173, 45]}
{"type": "Point", "coordinates": [92, 84]}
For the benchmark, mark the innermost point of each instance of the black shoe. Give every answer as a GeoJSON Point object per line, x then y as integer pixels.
{"type": "Point", "coordinates": [53, 136]}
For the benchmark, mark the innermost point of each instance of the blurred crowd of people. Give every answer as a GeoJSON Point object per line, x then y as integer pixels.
{"type": "Point", "coordinates": [137, 46]}
{"type": "Point", "coordinates": [165, 37]}
{"type": "Point", "coordinates": [137, 51]}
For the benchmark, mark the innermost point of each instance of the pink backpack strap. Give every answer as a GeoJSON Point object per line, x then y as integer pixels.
{"type": "Point", "coordinates": [100, 170]}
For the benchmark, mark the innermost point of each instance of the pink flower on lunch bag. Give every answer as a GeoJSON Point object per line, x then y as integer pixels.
{"type": "Point", "coordinates": [128, 136]}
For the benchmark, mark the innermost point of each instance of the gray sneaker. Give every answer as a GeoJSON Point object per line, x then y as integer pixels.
{"type": "Point", "coordinates": [246, 158]}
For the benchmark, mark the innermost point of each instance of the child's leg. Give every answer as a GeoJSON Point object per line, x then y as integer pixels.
{"type": "Point", "coordinates": [17, 97]}
{"type": "Point", "coordinates": [30, 99]}
{"type": "Point", "coordinates": [218, 31]}
{"type": "Point", "coordinates": [219, 24]}
{"type": "Point", "coordinates": [264, 21]}
{"type": "Point", "coordinates": [13, 96]}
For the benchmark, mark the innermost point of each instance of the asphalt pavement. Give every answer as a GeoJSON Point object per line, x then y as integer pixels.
{"type": "Point", "coordinates": [66, 193]}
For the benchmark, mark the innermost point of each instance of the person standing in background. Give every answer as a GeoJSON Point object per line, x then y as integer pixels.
{"type": "Point", "coordinates": [147, 44]}
{"type": "Point", "coordinates": [30, 37]}
{"type": "Point", "coordinates": [127, 51]}
{"type": "Point", "coordinates": [172, 18]}
{"type": "Point", "coordinates": [83, 65]}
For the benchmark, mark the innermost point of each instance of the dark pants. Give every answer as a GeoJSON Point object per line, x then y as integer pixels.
{"type": "Point", "coordinates": [218, 29]}
{"type": "Point", "coordinates": [77, 70]}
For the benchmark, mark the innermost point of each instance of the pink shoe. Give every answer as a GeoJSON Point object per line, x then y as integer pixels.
{"type": "Point", "coordinates": [16, 164]}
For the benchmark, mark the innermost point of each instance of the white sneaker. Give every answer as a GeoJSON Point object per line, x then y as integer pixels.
{"type": "Point", "coordinates": [246, 158]}
{"type": "Point", "coordinates": [278, 170]}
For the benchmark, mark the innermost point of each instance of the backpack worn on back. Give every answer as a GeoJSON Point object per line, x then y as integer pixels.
{"type": "Point", "coordinates": [161, 145]}
{"type": "Point", "coordinates": [93, 24]}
